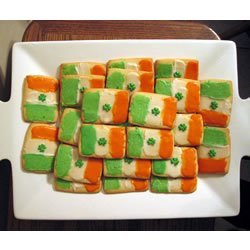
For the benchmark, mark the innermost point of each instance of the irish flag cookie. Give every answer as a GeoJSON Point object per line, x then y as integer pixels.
{"type": "Point", "coordinates": [83, 68]}
{"type": "Point", "coordinates": [214, 153]}
{"type": "Point", "coordinates": [108, 106]}
{"type": "Point", "coordinates": [70, 166]}
{"type": "Point", "coordinates": [39, 148]}
{"type": "Point", "coordinates": [76, 187]}
{"type": "Point", "coordinates": [186, 92]}
{"type": "Point", "coordinates": [177, 68]}
{"type": "Point", "coordinates": [70, 126]}
{"type": "Point", "coordinates": [183, 163]}
{"type": "Point", "coordinates": [188, 130]}
{"type": "Point", "coordinates": [40, 100]}
{"type": "Point", "coordinates": [120, 185]}
{"type": "Point", "coordinates": [216, 102]}
{"type": "Point", "coordinates": [137, 64]}
{"type": "Point", "coordinates": [152, 110]}
{"type": "Point", "coordinates": [170, 185]}
{"type": "Point", "coordinates": [130, 80]}
{"type": "Point", "coordinates": [72, 88]}
{"type": "Point", "coordinates": [102, 141]}
{"type": "Point", "coordinates": [127, 167]}
{"type": "Point", "coordinates": [149, 143]}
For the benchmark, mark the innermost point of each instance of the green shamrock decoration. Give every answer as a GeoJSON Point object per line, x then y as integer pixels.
{"type": "Point", "coordinates": [178, 96]}
{"type": "Point", "coordinates": [177, 74]}
{"type": "Point", "coordinates": [174, 161]}
{"type": "Point", "coordinates": [79, 163]}
{"type": "Point", "coordinates": [41, 148]}
{"type": "Point", "coordinates": [182, 127]}
{"type": "Point", "coordinates": [151, 141]}
{"type": "Point", "coordinates": [131, 87]}
{"type": "Point", "coordinates": [214, 105]}
{"type": "Point", "coordinates": [42, 97]}
{"type": "Point", "coordinates": [128, 160]}
{"type": "Point", "coordinates": [102, 141]}
{"type": "Point", "coordinates": [106, 107]}
{"type": "Point", "coordinates": [82, 89]}
{"type": "Point", "coordinates": [155, 111]}
{"type": "Point", "coordinates": [212, 153]}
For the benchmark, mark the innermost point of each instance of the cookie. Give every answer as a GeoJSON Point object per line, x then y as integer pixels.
{"type": "Point", "coordinates": [177, 68]}
{"type": "Point", "coordinates": [73, 87]}
{"type": "Point", "coordinates": [170, 185]}
{"type": "Point", "coordinates": [75, 187]}
{"type": "Point", "coordinates": [102, 141]}
{"type": "Point", "coordinates": [186, 92]}
{"type": "Point", "coordinates": [130, 80]}
{"type": "Point", "coordinates": [83, 68]}
{"type": "Point", "coordinates": [39, 148]}
{"type": "Point", "coordinates": [149, 143]}
{"type": "Point", "coordinates": [188, 130]}
{"type": "Point", "coordinates": [214, 153]}
{"type": "Point", "coordinates": [127, 167]}
{"type": "Point", "coordinates": [119, 185]}
{"type": "Point", "coordinates": [106, 106]}
{"type": "Point", "coordinates": [183, 163]}
{"type": "Point", "coordinates": [216, 102]}
{"type": "Point", "coordinates": [69, 127]}
{"type": "Point", "coordinates": [152, 110]}
{"type": "Point", "coordinates": [40, 99]}
{"type": "Point", "coordinates": [137, 64]}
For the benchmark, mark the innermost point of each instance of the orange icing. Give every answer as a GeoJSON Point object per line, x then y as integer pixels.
{"type": "Point", "coordinates": [189, 162]}
{"type": "Point", "coordinates": [215, 118]}
{"type": "Point", "coordinates": [212, 165]}
{"type": "Point", "coordinates": [93, 170]}
{"type": "Point", "coordinates": [166, 144]}
{"type": "Point", "coordinates": [120, 107]}
{"type": "Point", "coordinates": [41, 83]}
{"type": "Point", "coordinates": [44, 132]}
{"type": "Point", "coordinates": [117, 142]}
{"type": "Point", "coordinates": [169, 111]}
{"type": "Point", "coordinates": [193, 97]}
{"type": "Point", "coordinates": [147, 82]}
{"type": "Point", "coordinates": [146, 65]}
{"type": "Point", "coordinates": [140, 185]}
{"type": "Point", "coordinates": [97, 83]}
{"type": "Point", "coordinates": [143, 168]}
{"type": "Point", "coordinates": [195, 130]}
{"type": "Point", "coordinates": [188, 185]}
{"type": "Point", "coordinates": [91, 188]}
{"type": "Point", "coordinates": [98, 70]}
{"type": "Point", "coordinates": [192, 70]}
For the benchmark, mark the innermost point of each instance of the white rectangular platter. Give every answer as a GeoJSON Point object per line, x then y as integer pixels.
{"type": "Point", "coordinates": [34, 197]}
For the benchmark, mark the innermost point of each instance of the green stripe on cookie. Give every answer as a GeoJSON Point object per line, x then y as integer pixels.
{"type": "Point", "coordinates": [114, 167]}
{"type": "Point", "coordinates": [63, 160]}
{"type": "Point", "coordinates": [69, 69]}
{"type": "Point", "coordinates": [63, 184]}
{"type": "Point", "coordinates": [35, 162]}
{"type": "Point", "coordinates": [216, 90]}
{"type": "Point", "coordinates": [115, 80]}
{"type": "Point", "coordinates": [69, 91]}
{"type": "Point", "coordinates": [164, 87]}
{"type": "Point", "coordinates": [90, 106]}
{"type": "Point", "coordinates": [164, 70]}
{"type": "Point", "coordinates": [88, 139]}
{"type": "Point", "coordinates": [159, 185]}
{"type": "Point", "coordinates": [159, 167]}
{"type": "Point", "coordinates": [214, 137]}
{"type": "Point", "coordinates": [135, 142]}
{"type": "Point", "coordinates": [139, 109]}
{"type": "Point", "coordinates": [111, 184]}
{"type": "Point", "coordinates": [40, 112]}
{"type": "Point", "coordinates": [117, 65]}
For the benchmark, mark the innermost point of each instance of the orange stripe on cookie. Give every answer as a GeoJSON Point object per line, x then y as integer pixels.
{"type": "Point", "coordinates": [146, 65]}
{"type": "Point", "coordinates": [192, 70]}
{"type": "Point", "coordinates": [189, 162]}
{"type": "Point", "coordinates": [188, 185]}
{"type": "Point", "coordinates": [215, 118]}
{"type": "Point", "coordinates": [42, 83]}
{"type": "Point", "coordinates": [140, 185]}
{"type": "Point", "coordinates": [195, 130]}
{"type": "Point", "coordinates": [117, 142]}
{"type": "Point", "coordinates": [92, 188]}
{"type": "Point", "coordinates": [193, 97]}
{"type": "Point", "coordinates": [97, 83]}
{"type": "Point", "coordinates": [98, 70]}
{"type": "Point", "coordinates": [212, 165]}
{"type": "Point", "coordinates": [143, 168]}
{"type": "Point", "coordinates": [166, 144]}
{"type": "Point", "coordinates": [44, 132]}
{"type": "Point", "coordinates": [169, 111]}
{"type": "Point", "coordinates": [93, 170]}
{"type": "Point", "coordinates": [147, 82]}
{"type": "Point", "coordinates": [120, 107]}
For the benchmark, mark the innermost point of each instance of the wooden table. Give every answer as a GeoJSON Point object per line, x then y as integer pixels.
{"type": "Point", "coordinates": [96, 30]}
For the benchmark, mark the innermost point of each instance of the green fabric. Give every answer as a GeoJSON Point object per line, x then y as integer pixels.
{"type": "Point", "coordinates": [90, 106]}
{"type": "Point", "coordinates": [115, 80]}
{"type": "Point", "coordinates": [69, 91]}
{"type": "Point", "coordinates": [164, 70]}
{"type": "Point", "coordinates": [63, 184]}
{"type": "Point", "coordinates": [214, 137]}
{"type": "Point", "coordinates": [111, 184]}
{"type": "Point", "coordinates": [159, 167]}
{"type": "Point", "coordinates": [69, 69]}
{"type": "Point", "coordinates": [216, 90]}
{"type": "Point", "coordinates": [88, 139]}
{"type": "Point", "coordinates": [40, 112]}
{"type": "Point", "coordinates": [117, 65]}
{"type": "Point", "coordinates": [135, 142]}
{"type": "Point", "coordinates": [159, 185]}
{"type": "Point", "coordinates": [114, 167]}
{"type": "Point", "coordinates": [35, 162]}
{"type": "Point", "coordinates": [163, 87]}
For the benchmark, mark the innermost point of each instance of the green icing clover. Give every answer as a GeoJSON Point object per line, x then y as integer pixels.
{"type": "Point", "coordinates": [79, 163]}
{"type": "Point", "coordinates": [128, 160]}
{"type": "Point", "coordinates": [174, 161]}
{"type": "Point", "coordinates": [177, 74]}
{"type": "Point", "coordinates": [41, 148]}
{"type": "Point", "coordinates": [42, 97]}
{"type": "Point", "coordinates": [82, 89]}
{"type": "Point", "coordinates": [178, 96]}
{"type": "Point", "coordinates": [131, 87]}
{"type": "Point", "coordinates": [102, 141]}
{"type": "Point", "coordinates": [155, 111]}
{"type": "Point", "coordinates": [151, 141]}
{"type": "Point", "coordinates": [106, 107]}
{"type": "Point", "coordinates": [214, 105]}
{"type": "Point", "coordinates": [182, 127]}
{"type": "Point", "coordinates": [212, 153]}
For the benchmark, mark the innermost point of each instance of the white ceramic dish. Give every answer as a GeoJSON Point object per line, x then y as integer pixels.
{"type": "Point", "coordinates": [34, 197]}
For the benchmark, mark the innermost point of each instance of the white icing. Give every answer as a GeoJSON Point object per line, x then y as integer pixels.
{"type": "Point", "coordinates": [179, 66]}
{"type": "Point", "coordinates": [106, 97]}
{"type": "Point", "coordinates": [181, 137]}
{"type": "Point", "coordinates": [221, 152]}
{"type": "Point", "coordinates": [132, 65]}
{"type": "Point", "coordinates": [32, 96]}
{"type": "Point", "coordinates": [78, 187]}
{"type": "Point", "coordinates": [133, 77]}
{"type": "Point", "coordinates": [126, 184]}
{"type": "Point", "coordinates": [179, 85]}
{"type": "Point", "coordinates": [151, 150]}
{"type": "Point", "coordinates": [172, 170]}
{"type": "Point", "coordinates": [129, 170]}
{"type": "Point", "coordinates": [102, 132]}
{"type": "Point", "coordinates": [224, 106]}
{"type": "Point", "coordinates": [77, 133]}
{"type": "Point", "coordinates": [174, 185]}
{"type": "Point", "coordinates": [84, 69]}
{"type": "Point", "coordinates": [84, 82]}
